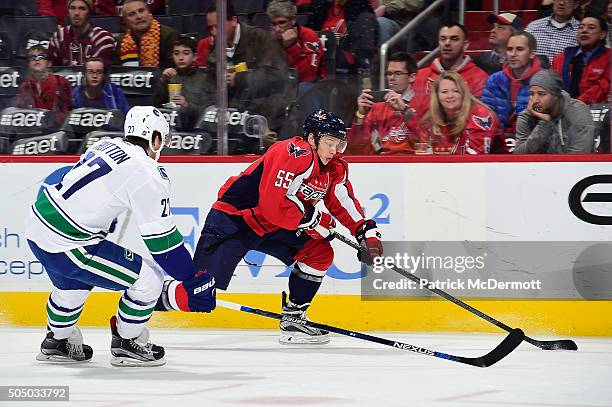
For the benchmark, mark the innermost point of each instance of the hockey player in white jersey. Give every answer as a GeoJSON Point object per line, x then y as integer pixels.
{"type": "Point", "coordinates": [67, 231]}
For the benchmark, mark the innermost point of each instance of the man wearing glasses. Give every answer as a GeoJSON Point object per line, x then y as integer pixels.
{"type": "Point", "coordinates": [558, 31]}
{"type": "Point", "coordinates": [96, 91]}
{"type": "Point", "coordinates": [390, 125]}
{"type": "Point", "coordinates": [43, 89]}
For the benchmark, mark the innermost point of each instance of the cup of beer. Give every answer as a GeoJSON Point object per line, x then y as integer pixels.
{"type": "Point", "coordinates": [174, 89]}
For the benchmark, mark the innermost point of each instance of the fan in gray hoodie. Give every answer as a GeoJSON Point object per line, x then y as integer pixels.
{"type": "Point", "coordinates": [553, 122]}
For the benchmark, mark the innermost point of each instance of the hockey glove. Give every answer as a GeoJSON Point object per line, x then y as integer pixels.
{"type": "Point", "coordinates": [197, 294]}
{"type": "Point", "coordinates": [369, 238]}
{"type": "Point", "coordinates": [317, 224]}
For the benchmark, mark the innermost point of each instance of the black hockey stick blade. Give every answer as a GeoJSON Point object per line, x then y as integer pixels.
{"type": "Point", "coordinates": [510, 342]}
{"type": "Point", "coordinates": [501, 351]}
{"type": "Point", "coordinates": [560, 344]}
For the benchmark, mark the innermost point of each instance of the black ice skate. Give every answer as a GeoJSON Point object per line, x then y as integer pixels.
{"type": "Point", "coordinates": [296, 333]}
{"type": "Point", "coordinates": [136, 351]}
{"type": "Point", "coordinates": [69, 350]}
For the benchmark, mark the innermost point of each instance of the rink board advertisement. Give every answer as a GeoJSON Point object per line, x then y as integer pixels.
{"type": "Point", "coordinates": [512, 236]}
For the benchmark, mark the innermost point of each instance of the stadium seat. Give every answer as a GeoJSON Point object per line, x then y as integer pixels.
{"type": "Point", "coordinates": [188, 143]}
{"type": "Point", "coordinates": [330, 46]}
{"type": "Point", "coordinates": [175, 22]}
{"type": "Point", "coordinates": [48, 144]}
{"type": "Point", "coordinates": [238, 143]}
{"type": "Point", "coordinates": [18, 8]}
{"type": "Point", "coordinates": [26, 31]}
{"type": "Point", "coordinates": [183, 7]}
{"type": "Point", "coordinates": [111, 24]}
{"type": "Point", "coordinates": [195, 23]}
{"type": "Point", "coordinates": [6, 49]}
{"type": "Point", "coordinates": [84, 120]}
{"type": "Point", "coordinates": [248, 7]}
{"type": "Point", "coordinates": [93, 136]}
{"type": "Point", "coordinates": [602, 130]}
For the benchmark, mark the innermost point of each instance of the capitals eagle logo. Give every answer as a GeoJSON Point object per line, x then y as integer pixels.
{"type": "Point", "coordinates": [485, 123]}
{"type": "Point", "coordinates": [296, 151]}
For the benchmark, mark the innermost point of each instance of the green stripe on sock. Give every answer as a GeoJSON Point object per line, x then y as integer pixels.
{"type": "Point", "coordinates": [164, 243]}
{"type": "Point", "coordinates": [102, 267]}
{"type": "Point", "coordinates": [134, 312]}
{"type": "Point", "coordinates": [62, 318]}
{"type": "Point", "coordinates": [48, 212]}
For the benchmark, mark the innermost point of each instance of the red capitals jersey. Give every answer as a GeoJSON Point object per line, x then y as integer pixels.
{"type": "Point", "coordinates": [275, 191]}
{"type": "Point", "coordinates": [67, 50]}
{"type": "Point", "coordinates": [385, 130]}
{"type": "Point", "coordinates": [481, 135]}
{"type": "Point", "coordinates": [306, 54]}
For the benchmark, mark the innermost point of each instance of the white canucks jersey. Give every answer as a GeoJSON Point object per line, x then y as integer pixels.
{"type": "Point", "coordinates": [111, 177]}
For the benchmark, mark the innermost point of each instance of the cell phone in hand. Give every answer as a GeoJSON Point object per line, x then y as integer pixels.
{"type": "Point", "coordinates": [378, 95]}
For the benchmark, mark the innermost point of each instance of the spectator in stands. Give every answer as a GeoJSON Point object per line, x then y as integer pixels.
{"type": "Point", "coordinates": [585, 69]}
{"type": "Point", "coordinates": [193, 97]}
{"type": "Point", "coordinates": [391, 126]}
{"type": "Point", "coordinates": [43, 89]}
{"type": "Point", "coordinates": [557, 32]}
{"type": "Point", "coordinates": [75, 43]}
{"type": "Point", "coordinates": [392, 15]}
{"type": "Point", "coordinates": [146, 42]}
{"type": "Point", "coordinates": [553, 122]}
{"type": "Point", "coordinates": [302, 45]}
{"type": "Point", "coordinates": [354, 22]}
{"type": "Point", "coordinates": [58, 8]}
{"type": "Point", "coordinates": [584, 8]}
{"type": "Point", "coordinates": [452, 40]}
{"type": "Point", "coordinates": [96, 90]}
{"type": "Point", "coordinates": [507, 92]}
{"type": "Point", "coordinates": [457, 122]}
{"type": "Point", "coordinates": [257, 75]}
{"type": "Point", "coordinates": [504, 25]}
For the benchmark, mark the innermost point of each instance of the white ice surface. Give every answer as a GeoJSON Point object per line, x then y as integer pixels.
{"type": "Point", "coordinates": [245, 367]}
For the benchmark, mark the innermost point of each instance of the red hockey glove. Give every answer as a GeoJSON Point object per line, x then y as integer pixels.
{"type": "Point", "coordinates": [317, 224]}
{"type": "Point", "coordinates": [369, 238]}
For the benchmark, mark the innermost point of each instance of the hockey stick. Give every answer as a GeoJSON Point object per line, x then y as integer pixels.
{"type": "Point", "coordinates": [510, 342]}
{"type": "Point", "coordinates": [560, 344]}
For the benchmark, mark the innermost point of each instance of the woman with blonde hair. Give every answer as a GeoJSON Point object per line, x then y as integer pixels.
{"type": "Point", "coordinates": [457, 122]}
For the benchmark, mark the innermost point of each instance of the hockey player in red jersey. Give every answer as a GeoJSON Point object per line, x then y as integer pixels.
{"type": "Point", "coordinates": [272, 207]}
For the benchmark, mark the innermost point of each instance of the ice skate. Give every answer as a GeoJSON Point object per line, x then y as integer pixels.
{"type": "Point", "coordinates": [135, 352]}
{"type": "Point", "coordinates": [68, 350]}
{"type": "Point", "coordinates": [296, 333]}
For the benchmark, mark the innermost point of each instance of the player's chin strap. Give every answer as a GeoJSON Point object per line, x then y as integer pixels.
{"type": "Point", "coordinates": [157, 152]}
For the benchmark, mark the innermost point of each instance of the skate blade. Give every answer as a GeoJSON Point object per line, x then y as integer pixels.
{"type": "Point", "coordinates": [296, 338]}
{"type": "Point", "coordinates": [119, 361]}
{"type": "Point", "coordinates": [57, 359]}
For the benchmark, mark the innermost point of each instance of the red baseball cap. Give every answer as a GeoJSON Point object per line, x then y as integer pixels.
{"type": "Point", "coordinates": [506, 19]}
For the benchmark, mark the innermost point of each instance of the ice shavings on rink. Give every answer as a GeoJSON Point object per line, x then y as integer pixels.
{"type": "Point", "coordinates": [247, 367]}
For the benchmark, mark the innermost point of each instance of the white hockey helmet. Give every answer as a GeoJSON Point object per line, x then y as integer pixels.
{"type": "Point", "coordinates": [143, 121]}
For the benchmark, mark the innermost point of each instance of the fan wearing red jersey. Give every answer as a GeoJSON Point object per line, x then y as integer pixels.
{"type": "Point", "coordinates": [275, 206]}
